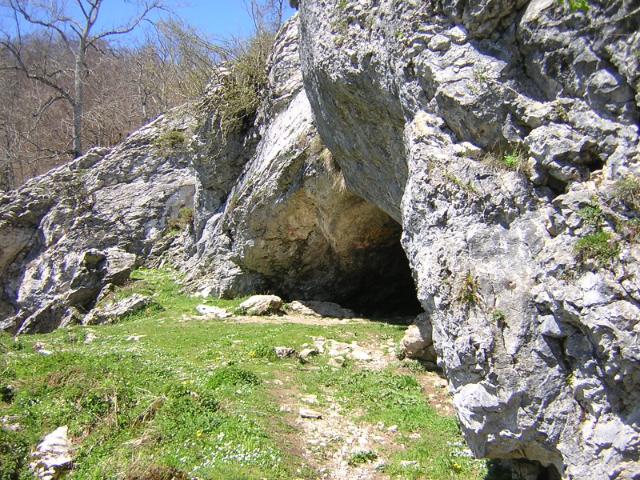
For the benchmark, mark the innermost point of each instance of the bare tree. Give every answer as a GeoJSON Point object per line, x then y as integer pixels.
{"type": "Point", "coordinates": [77, 34]}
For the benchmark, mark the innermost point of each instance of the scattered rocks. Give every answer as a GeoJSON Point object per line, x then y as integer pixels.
{"type": "Point", "coordinates": [213, 311]}
{"type": "Point", "coordinates": [336, 362]}
{"type": "Point", "coordinates": [261, 305]}
{"type": "Point", "coordinates": [307, 353]}
{"type": "Point", "coordinates": [90, 337]}
{"type": "Point", "coordinates": [10, 423]}
{"type": "Point", "coordinates": [310, 399]}
{"type": "Point", "coordinates": [40, 348]}
{"type": "Point", "coordinates": [53, 456]}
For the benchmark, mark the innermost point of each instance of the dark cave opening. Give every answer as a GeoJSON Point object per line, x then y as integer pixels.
{"type": "Point", "coordinates": [339, 248]}
{"type": "Point", "coordinates": [382, 285]}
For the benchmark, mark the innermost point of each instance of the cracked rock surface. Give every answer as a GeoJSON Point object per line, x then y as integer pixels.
{"type": "Point", "coordinates": [420, 102]}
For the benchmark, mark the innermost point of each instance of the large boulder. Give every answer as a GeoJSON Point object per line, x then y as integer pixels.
{"type": "Point", "coordinates": [112, 312]}
{"type": "Point", "coordinates": [417, 342]}
{"type": "Point", "coordinates": [261, 305]}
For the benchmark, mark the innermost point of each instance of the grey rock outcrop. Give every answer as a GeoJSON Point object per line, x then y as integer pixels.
{"type": "Point", "coordinates": [287, 224]}
{"type": "Point", "coordinates": [421, 103]}
{"type": "Point", "coordinates": [67, 234]}
{"type": "Point", "coordinates": [112, 312]}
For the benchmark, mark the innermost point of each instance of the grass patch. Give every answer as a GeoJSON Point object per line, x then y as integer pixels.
{"type": "Point", "coordinates": [599, 246]}
{"type": "Point", "coordinates": [189, 399]}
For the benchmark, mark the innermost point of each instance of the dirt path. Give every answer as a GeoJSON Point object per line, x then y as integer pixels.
{"type": "Point", "coordinates": [327, 437]}
{"type": "Point", "coordinates": [332, 444]}
{"type": "Point", "coordinates": [279, 319]}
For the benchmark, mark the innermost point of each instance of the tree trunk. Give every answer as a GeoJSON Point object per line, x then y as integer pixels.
{"type": "Point", "coordinates": [77, 100]}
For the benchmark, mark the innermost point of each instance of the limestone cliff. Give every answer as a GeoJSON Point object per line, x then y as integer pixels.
{"type": "Point", "coordinates": [417, 101]}
{"type": "Point", "coordinates": [487, 142]}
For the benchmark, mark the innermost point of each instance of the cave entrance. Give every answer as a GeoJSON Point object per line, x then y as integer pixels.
{"type": "Point", "coordinates": [379, 281]}
{"type": "Point", "coordinates": [340, 248]}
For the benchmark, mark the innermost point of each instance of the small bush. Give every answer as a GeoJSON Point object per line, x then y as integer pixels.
{"type": "Point", "coordinates": [264, 351]}
{"type": "Point", "coordinates": [156, 472]}
{"type": "Point", "coordinates": [513, 160]}
{"type": "Point", "coordinates": [182, 221]}
{"type": "Point", "coordinates": [13, 450]}
{"type": "Point", "coordinates": [498, 316]}
{"type": "Point", "coordinates": [170, 141]}
{"type": "Point", "coordinates": [630, 229]}
{"type": "Point", "coordinates": [237, 99]}
{"type": "Point", "coordinates": [469, 293]}
{"type": "Point", "coordinates": [592, 215]}
{"type": "Point", "coordinates": [232, 376]}
{"type": "Point", "coordinates": [627, 191]}
{"type": "Point", "coordinates": [598, 246]}
{"type": "Point", "coordinates": [578, 5]}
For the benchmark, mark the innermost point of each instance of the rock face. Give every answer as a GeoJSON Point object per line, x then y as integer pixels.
{"type": "Point", "coordinates": [287, 224]}
{"type": "Point", "coordinates": [67, 234]}
{"type": "Point", "coordinates": [477, 150]}
{"type": "Point", "coordinates": [425, 106]}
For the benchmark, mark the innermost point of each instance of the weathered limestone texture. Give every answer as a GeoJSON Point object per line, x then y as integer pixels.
{"type": "Point", "coordinates": [67, 234]}
{"type": "Point", "coordinates": [288, 225]}
{"type": "Point", "coordinates": [420, 103]}
{"type": "Point", "coordinates": [492, 138]}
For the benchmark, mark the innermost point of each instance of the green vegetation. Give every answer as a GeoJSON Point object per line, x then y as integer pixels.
{"type": "Point", "coordinates": [578, 5]}
{"type": "Point", "coordinates": [181, 222]}
{"type": "Point", "coordinates": [627, 191]}
{"type": "Point", "coordinates": [469, 291]}
{"type": "Point", "coordinates": [362, 457]}
{"type": "Point", "coordinates": [170, 141]}
{"type": "Point", "coordinates": [237, 99]}
{"type": "Point", "coordinates": [498, 316]}
{"type": "Point", "coordinates": [599, 246]}
{"type": "Point", "coordinates": [342, 4]}
{"type": "Point", "coordinates": [592, 215]}
{"type": "Point", "coordinates": [166, 393]}
{"type": "Point", "coordinates": [514, 160]}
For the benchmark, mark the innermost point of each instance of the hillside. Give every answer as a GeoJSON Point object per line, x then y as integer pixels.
{"type": "Point", "coordinates": [471, 165]}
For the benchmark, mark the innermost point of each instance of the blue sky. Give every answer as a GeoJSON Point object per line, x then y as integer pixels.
{"type": "Point", "coordinates": [217, 18]}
